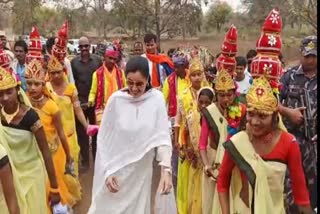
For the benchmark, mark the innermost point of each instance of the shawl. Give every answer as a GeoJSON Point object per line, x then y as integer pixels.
{"type": "Point", "coordinates": [130, 128]}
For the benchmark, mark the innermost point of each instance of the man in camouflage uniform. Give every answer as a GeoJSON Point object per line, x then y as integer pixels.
{"type": "Point", "coordinates": [297, 81]}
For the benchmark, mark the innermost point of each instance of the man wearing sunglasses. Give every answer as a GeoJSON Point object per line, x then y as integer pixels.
{"type": "Point", "coordinates": [106, 80]}
{"type": "Point", "coordinates": [83, 67]}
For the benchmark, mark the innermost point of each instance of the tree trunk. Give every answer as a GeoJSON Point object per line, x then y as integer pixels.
{"type": "Point", "coordinates": [184, 26]}
{"type": "Point", "coordinates": [157, 18]}
{"type": "Point", "coordinates": [218, 26]}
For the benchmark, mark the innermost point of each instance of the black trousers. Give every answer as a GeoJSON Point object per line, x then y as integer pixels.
{"type": "Point", "coordinates": [83, 138]}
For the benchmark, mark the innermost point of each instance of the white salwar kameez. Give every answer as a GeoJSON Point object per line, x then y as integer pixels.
{"type": "Point", "coordinates": [133, 132]}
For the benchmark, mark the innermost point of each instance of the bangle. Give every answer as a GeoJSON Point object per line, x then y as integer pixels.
{"type": "Point", "coordinates": [168, 170]}
{"type": "Point", "coordinates": [54, 190]}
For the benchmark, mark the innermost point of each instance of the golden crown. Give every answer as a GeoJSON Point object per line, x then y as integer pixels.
{"type": "Point", "coordinates": [260, 97]}
{"type": "Point", "coordinates": [35, 71]}
{"type": "Point", "coordinates": [7, 80]}
{"type": "Point", "coordinates": [54, 64]}
{"type": "Point", "coordinates": [196, 66]}
{"type": "Point", "coordinates": [224, 81]}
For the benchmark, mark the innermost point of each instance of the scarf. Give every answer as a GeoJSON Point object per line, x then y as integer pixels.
{"type": "Point", "coordinates": [158, 59]}
{"type": "Point", "coordinates": [114, 80]}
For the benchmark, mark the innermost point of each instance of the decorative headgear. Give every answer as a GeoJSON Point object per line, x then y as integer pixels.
{"type": "Point", "coordinates": [226, 60]}
{"type": "Point", "coordinates": [268, 46]}
{"type": "Point", "coordinates": [4, 58]}
{"type": "Point", "coordinates": [179, 58]}
{"type": "Point", "coordinates": [35, 46]}
{"type": "Point", "coordinates": [261, 98]}
{"type": "Point", "coordinates": [224, 81]}
{"type": "Point", "coordinates": [35, 71]}
{"type": "Point", "coordinates": [59, 49]}
{"type": "Point", "coordinates": [7, 79]}
{"type": "Point", "coordinates": [196, 66]}
{"type": "Point", "coordinates": [54, 64]}
{"type": "Point", "coordinates": [111, 51]}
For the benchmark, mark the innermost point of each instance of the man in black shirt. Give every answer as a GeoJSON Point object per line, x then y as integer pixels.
{"type": "Point", "coordinates": [83, 67]}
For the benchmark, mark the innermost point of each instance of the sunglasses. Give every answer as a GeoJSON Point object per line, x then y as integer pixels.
{"type": "Point", "coordinates": [83, 46]}
{"type": "Point", "coordinates": [137, 84]}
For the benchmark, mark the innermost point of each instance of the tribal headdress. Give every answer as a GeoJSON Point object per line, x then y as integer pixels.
{"type": "Point", "coordinates": [35, 46]}
{"type": "Point", "coordinates": [261, 98]}
{"type": "Point", "coordinates": [224, 81]}
{"type": "Point", "coordinates": [226, 60]}
{"type": "Point", "coordinates": [195, 66]}
{"type": "Point", "coordinates": [267, 63]}
{"type": "Point", "coordinates": [54, 65]}
{"type": "Point", "coordinates": [59, 49]}
{"type": "Point", "coordinates": [7, 79]}
{"type": "Point", "coordinates": [179, 58]}
{"type": "Point", "coordinates": [35, 71]}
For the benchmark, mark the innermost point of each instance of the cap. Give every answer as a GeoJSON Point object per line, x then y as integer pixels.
{"type": "Point", "coordinates": [309, 46]}
{"type": "Point", "coordinates": [2, 33]}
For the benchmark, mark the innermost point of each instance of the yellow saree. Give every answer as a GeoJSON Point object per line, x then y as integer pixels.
{"type": "Point", "coordinates": [185, 103]}
{"type": "Point", "coordinates": [46, 113]}
{"type": "Point", "coordinates": [195, 171]}
{"type": "Point", "coordinates": [65, 104]}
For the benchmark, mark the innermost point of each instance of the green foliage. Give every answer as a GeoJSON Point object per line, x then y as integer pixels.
{"type": "Point", "coordinates": [219, 14]}
{"type": "Point", "coordinates": [23, 15]}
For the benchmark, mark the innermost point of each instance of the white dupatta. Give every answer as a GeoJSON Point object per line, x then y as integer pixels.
{"type": "Point", "coordinates": [130, 128]}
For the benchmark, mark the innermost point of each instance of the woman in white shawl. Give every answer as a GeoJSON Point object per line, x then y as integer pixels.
{"type": "Point", "coordinates": [134, 130]}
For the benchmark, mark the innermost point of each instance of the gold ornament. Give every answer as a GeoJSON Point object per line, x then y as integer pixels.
{"type": "Point", "coordinates": [54, 64]}
{"type": "Point", "coordinates": [260, 97]}
{"type": "Point", "coordinates": [7, 80]}
{"type": "Point", "coordinates": [196, 66]}
{"type": "Point", "coordinates": [224, 81]}
{"type": "Point", "coordinates": [35, 71]}
{"type": "Point", "coordinates": [10, 117]}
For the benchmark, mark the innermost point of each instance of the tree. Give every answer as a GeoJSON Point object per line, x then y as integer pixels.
{"type": "Point", "coordinates": [306, 11]}
{"type": "Point", "coordinates": [219, 14]}
{"type": "Point", "coordinates": [162, 17]}
{"type": "Point", "coordinates": [24, 14]}
{"type": "Point", "coordinates": [292, 11]}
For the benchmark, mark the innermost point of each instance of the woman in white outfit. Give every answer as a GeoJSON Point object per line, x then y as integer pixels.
{"type": "Point", "coordinates": [134, 130]}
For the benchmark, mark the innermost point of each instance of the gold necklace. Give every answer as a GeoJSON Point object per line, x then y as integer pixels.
{"type": "Point", "coordinates": [37, 100]}
{"type": "Point", "coordinates": [10, 117]}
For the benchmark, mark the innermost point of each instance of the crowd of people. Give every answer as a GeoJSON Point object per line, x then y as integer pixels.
{"type": "Point", "coordinates": [237, 136]}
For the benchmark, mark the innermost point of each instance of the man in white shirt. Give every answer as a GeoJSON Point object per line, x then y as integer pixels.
{"type": "Point", "coordinates": [160, 65]}
{"type": "Point", "coordinates": [243, 81]}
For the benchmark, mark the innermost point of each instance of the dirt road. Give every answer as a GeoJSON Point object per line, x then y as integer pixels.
{"type": "Point", "coordinates": [86, 183]}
